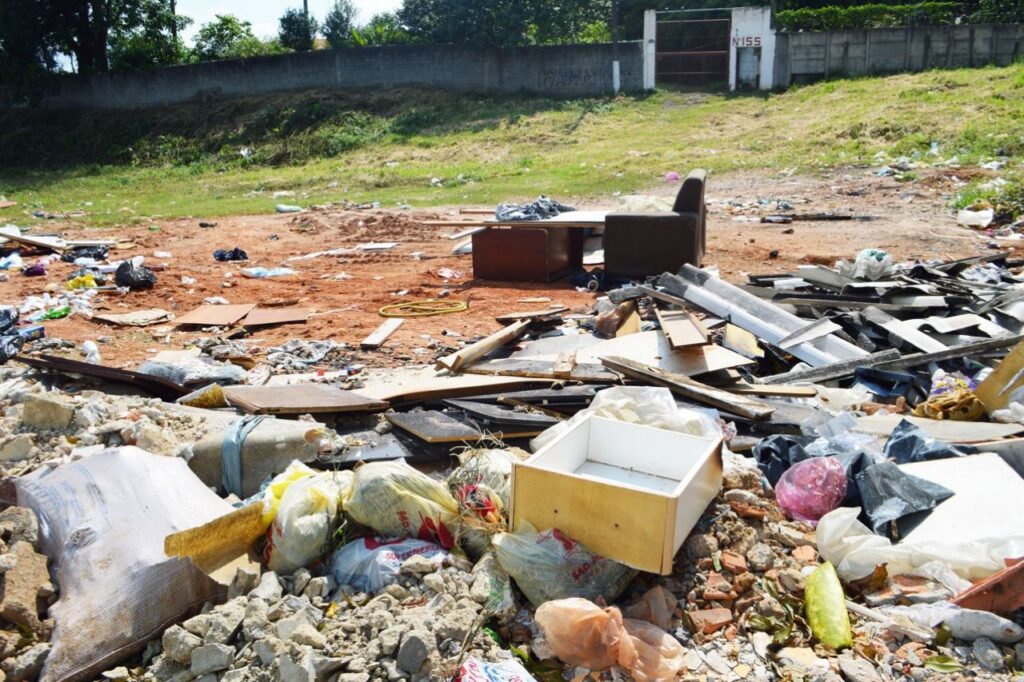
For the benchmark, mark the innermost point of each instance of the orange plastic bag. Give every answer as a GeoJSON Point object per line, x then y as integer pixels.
{"type": "Point", "coordinates": [582, 633]}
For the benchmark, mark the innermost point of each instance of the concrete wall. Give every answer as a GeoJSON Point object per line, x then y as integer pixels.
{"type": "Point", "coordinates": [557, 71]}
{"type": "Point", "coordinates": [808, 56]}
{"type": "Point", "coordinates": [751, 28]}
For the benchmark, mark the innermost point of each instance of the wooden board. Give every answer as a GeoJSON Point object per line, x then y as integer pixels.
{"type": "Point", "coordinates": [1007, 377]}
{"type": "Point", "coordinates": [681, 328]}
{"type": "Point", "coordinates": [299, 399]}
{"type": "Point", "coordinates": [544, 369]}
{"type": "Point", "coordinates": [434, 426]}
{"type": "Point", "coordinates": [509, 318]}
{"type": "Point", "coordinates": [215, 315]}
{"type": "Point", "coordinates": [652, 348]}
{"type": "Point", "coordinates": [149, 383]}
{"type": "Point", "coordinates": [690, 389]}
{"type": "Point", "coordinates": [263, 317]}
{"type": "Point", "coordinates": [473, 352]}
{"type": "Point", "coordinates": [379, 335]}
{"type": "Point", "coordinates": [949, 431]}
{"type": "Point", "coordinates": [501, 415]}
{"type": "Point", "coordinates": [52, 243]}
{"type": "Point", "coordinates": [425, 383]}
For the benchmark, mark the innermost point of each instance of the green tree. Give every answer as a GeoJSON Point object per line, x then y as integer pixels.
{"type": "Point", "coordinates": [382, 29]}
{"type": "Point", "coordinates": [339, 22]}
{"type": "Point", "coordinates": [228, 37]}
{"type": "Point", "coordinates": [296, 30]}
{"type": "Point", "coordinates": [149, 38]}
{"type": "Point", "coordinates": [999, 11]}
{"type": "Point", "coordinates": [27, 50]}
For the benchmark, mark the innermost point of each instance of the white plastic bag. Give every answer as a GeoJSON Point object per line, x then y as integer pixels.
{"type": "Point", "coordinates": [394, 499]}
{"type": "Point", "coordinates": [855, 550]}
{"type": "Point", "coordinates": [649, 406]}
{"type": "Point", "coordinates": [305, 520]}
{"type": "Point", "coordinates": [475, 670]}
{"type": "Point", "coordinates": [371, 564]}
{"type": "Point", "coordinates": [549, 565]}
{"type": "Point", "coordinates": [871, 264]}
{"type": "Point", "coordinates": [103, 520]}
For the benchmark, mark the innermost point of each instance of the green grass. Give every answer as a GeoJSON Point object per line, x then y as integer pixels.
{"type": "Point", "coordinates": [130, 167]}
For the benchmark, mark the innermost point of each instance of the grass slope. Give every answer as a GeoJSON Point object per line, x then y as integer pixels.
{"type": "Point", "coordinates": [219, 158]}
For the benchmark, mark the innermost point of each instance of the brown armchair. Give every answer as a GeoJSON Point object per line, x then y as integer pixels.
{"type": "Point", "coordinates": [642, 244]}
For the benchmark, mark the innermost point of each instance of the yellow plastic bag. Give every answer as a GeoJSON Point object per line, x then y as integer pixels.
{"type": "Point", "coordinates": [306, 518]}
{"type": "Point", "coordinates": [86, 281]}
{"type": "Point", "coordinates": [394, 499]}
{"type": "Point", "coordinates": [825, 604]}
{"type": "Point", "coordinates": [581, 633]}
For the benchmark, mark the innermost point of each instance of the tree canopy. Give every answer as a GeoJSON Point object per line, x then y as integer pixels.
{"type": "Point", "coordinates": [297, 30]}
{"type": "Point", "coordinates": [339, 22]}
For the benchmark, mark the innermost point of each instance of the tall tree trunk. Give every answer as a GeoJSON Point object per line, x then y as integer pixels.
{"type": "Point", "coordinates": [100, 31]}
{"type": "Point", "coordinates": [174, 21]}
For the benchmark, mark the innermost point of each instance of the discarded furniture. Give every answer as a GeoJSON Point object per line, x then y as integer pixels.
{"type": "Point", "coordinates": [643, 244]}
{"type": "Point", "coordinates": [610, 485]}
{"type": "Point", "coordinates": [530, 253]}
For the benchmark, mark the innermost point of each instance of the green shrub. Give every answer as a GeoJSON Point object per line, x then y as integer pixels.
{"type": "Point", "coordinates": [867, 16]}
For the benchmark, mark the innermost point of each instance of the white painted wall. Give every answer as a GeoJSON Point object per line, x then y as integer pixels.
{"type": "Point", "coordinates": [752, 27]}
{"type": "Point", "coordinates": [650, 47]}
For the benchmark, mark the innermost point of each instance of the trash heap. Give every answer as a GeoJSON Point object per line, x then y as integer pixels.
{"type": "Point", "coordinates": [811, 476]}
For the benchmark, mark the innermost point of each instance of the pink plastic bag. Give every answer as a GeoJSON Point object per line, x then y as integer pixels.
{"type": "Point", "coordinates": [811, 488]}
{"type": "Point", "coordinates": [582, 633]}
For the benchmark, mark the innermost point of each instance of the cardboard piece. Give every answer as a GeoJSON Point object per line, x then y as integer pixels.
{"type": "Point", "coordinates": [136, 318]}
{"type": "Point", "coordinates": [263, 317]}
{"type": "Point", "coordinates": [299, 399]}
{"type": "Point", "coordinates": [215, 315]}
{"type": "Point", "coordinates": [609, 485]}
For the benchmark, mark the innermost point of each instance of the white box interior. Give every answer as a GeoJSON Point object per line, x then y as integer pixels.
{"type": "Point", "coordinates": [641, 457]}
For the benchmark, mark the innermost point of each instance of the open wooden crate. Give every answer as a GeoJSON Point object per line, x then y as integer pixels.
{"type": "Point", "coordinates": [629, 492]}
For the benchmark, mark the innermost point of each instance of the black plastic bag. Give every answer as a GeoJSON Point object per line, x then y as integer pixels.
{"type": "Point", "coordinates": [94, 252]}
{"type": "Point", "coordinates": [907, 443]}
{"type": "Point", "coordinates": [890, 495]}
{"type": "Point", "coordinates": [8, 319]}
{"type": "Point", "coordinates": [136, 278]}
{"type": "Point", "coordinates": [775, 454]}
{"type": "Point", "coordinates": [234, 254]}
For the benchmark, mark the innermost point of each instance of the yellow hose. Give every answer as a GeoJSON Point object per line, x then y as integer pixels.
{"type": "Point", "coordinates": [428, 308]}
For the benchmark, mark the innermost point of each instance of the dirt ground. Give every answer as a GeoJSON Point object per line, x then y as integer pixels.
{"type": "Point", "coordinates": [910, 221]}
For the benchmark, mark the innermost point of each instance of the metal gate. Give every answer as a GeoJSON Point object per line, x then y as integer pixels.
{"type": "Point", "coordinates": [693, 47]}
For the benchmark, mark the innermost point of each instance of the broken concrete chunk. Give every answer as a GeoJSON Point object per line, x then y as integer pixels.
{"type": "Point", "coordinates": [21, 586]}
{"type": "Point", "coordinates": [210, 658]}
{"type": "Point", "coordinates": [27, 664]}
{"type": "Point", "coordinates": [19, 524]}
{"type": "Point", "coordinates": [760, 557]}
{"type": "Point", "coordinates": [269, 588]}
{"type": "Point", "coordinates": [178, 644]}
{"type": "Point", "coordinates": [417, 646]}
{"type": "Point", "coordinates": [418, 564]}
{"type": "Point", "coordinates": [47, 412]}
{"type": "Point", "coordinates": [245, 581]}
{"type": "Point", "coordinates": [15, 448]}
{"type": "Point", "coordinates": [988, 655]}
{"type": "Point", "coordinates": [296, 669]}
{"type": "Point", "coordinates": [856, 669]}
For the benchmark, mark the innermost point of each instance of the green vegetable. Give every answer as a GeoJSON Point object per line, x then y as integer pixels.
{"type": "Point", "coordinates": [825, 605]}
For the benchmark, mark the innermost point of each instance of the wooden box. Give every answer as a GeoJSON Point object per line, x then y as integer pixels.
{"type": "Point", "coordinates": [629, 492]}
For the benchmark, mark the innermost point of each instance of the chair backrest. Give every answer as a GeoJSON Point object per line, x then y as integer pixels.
{"type": "Point", "coordinates": [691, 195]}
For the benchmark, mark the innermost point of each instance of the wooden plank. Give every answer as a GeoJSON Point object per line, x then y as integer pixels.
{"type": "Point", "coordinates": [690, 389]}
{"type": "Point", "coordinates": [264, 317]}
{"type": "Point", "coordinates": [942, 429]}
{"type": "Point", "coordinates": [474, 352]}
{"type": "Point", "coordinates": [377, 338]}
{"type": "Point", "coordinates": [509, 318]}
{"type": "Point", "coordinates": [53, 244]}
{"type": "Point", "coordinates": [299, 399]}
{"type": "Point", "coordinates": [503, 416]}
{"type": "Point", "coordinates": [434, 426]}
{"type": "Point", "coordinates": [215, 315]}
{"type": "Point", "coordinates": [152, 384]}
{"type": "Point", "coordinates": [779, 390]}
{"type": "Point", "coordinates": [564, 364]}
{"type": "Point", "coordinates": [411, 384]}
{"type": "Point", "coordinates": [543, 369]}
{"type": "Point", "coordinates": [652, 348]}
{"type": "Point", "coordinates": [681, 328]}
{"type": "Point", "coordinates": [1005, 379]}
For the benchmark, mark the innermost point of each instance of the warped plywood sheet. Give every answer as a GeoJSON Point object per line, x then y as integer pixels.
{"type": "Point", "coordinates": [299, 399]}
{"type": "Point", "coordinates": [264, 317]}
{"type": "Point", "coordinates": [653, 348]}
{"type": "Point", "coordinates": [434, 426]}
{"type": "Point", "coordinates": [681, 328]}
{"type": "Point", "coordinates": [550, 347]}
{"type": "Point", "coordinates": [215, 315]}
{"type": "Point", "coordinates": [422, 383]}
{"type": "Point", "coordinates": [949, 431]}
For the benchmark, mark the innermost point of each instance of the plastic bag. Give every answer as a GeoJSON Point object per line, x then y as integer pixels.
{"type": "Point", "coordinates": [655, 407]}
{"type": "Point", "coordinates": [232, 255]}
{"type": "Point", "coordinates": [394, 499]}
{"type": "Point", "coordinates": [134, 276]}
{"type": "Point", "coordinates": [908, 443]}
{"type": "Point", "coordinates": [195, 372]}
{"type": "Point", "coordinates": [306, 519]}
{"type": "Point", "coordinates": [581, 633]}
{"type": "Point", "coordinates": [812, 488]}
{"type": "Point", "coordinates": [656, 606]}
{"type": "Point", "coordinates": [10, 341]}
{"type": "Point", "coordinates": [871, 264]}
{"type": "Point", "coordinates": [93, 252]}
{"type": "Point", "coordinates": [103, 520]}
{"type": "Point", "coordinates": [889, 494]}
{"type": "Point", "coordinates": [825, 604]}
{"type": "Point", "coordinates": [501, 602]}
{"type": "Point", "coordinates": [475, 670]}
{"type": "Point", "coordinates": [490, 469]}
{"type": "Point", "coordinates": [371, 564]}
{"type": "Point", "coordinates": [855, 550]}
{"type": "Point", "coordinates": [549, 565]}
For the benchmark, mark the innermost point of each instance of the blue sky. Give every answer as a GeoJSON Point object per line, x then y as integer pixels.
{"type": "Point", "coordinates": [263, 15]}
